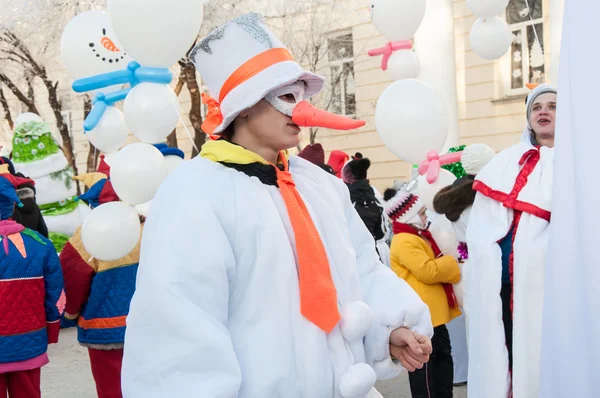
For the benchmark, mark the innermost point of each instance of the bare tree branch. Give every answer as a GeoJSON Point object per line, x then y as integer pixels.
{"type": "Point", "coordinates": [93, 153]}
{"type": "Point", "coordinates": [28, 102]}
{"type": "Point", "coordinates": [6, 108]}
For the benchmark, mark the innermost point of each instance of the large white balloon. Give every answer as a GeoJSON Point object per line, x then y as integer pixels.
{"type": "Point", "coordinates": [486, 8]}
{"type": "Point", "coordinates": [404, 64]}
{"type": "Point", "coordinates": [428, 191]}
{"type": "Point", "coordinates": [89, 47]}
{"type": "Point", "coordinates": [172, 162]}
{"type": "Point", "coordinates": [397, 19]}
{"type": "Point", "coordinates": [151, 112]}
{"type": "Point", "coordinates": [490, 38]}
{"type": "Point", "coordinates": [156, 33]}
{"type": "Point", "coordinates": [111, 231]}
{"type": "Point", "coordinates": [28, 117]}
{"type": "Point", "coordinates": [412, 119]}
{"type": "Point", "coordinates": [136, 172]}
{"type": "Point", "coordinates": [111, 131]}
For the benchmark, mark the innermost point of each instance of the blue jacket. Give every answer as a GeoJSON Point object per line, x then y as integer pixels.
{"type": "Point", "coordinates": [32, 298]}
{"type": "Point", "coordinates": [98, 293]}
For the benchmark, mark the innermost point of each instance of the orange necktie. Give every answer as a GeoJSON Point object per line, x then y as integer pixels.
{"type": "Point", "coordinates": [318, 297]}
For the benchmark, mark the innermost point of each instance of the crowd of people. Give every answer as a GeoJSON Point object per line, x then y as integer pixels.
{"type": "Point", "coordinates": [263, 274]}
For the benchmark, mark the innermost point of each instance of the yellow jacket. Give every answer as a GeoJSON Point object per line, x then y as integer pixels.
{"type": "Point", "coordinates": [413, 260]}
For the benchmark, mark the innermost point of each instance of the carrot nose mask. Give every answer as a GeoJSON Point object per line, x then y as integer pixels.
{"type": "Point", "coordinates": [289, 100]}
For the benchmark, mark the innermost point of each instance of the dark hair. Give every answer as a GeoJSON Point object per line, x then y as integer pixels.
{"type": "Point", "coordinates": [229, 131]}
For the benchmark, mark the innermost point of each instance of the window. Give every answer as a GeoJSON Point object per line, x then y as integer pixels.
{"type": "Point", "coordinates": [340, 51]}
{"type": "Point", "coordinates": [527, 63]}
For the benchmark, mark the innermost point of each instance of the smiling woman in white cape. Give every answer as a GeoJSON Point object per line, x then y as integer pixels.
{"type": "Point", "coordinates": [507, 238]}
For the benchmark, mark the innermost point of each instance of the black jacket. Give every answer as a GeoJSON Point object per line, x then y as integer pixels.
{"type": "Point", "coordinates": [368, 207]}
{"type": "Point", "coordinates": [30, 215]}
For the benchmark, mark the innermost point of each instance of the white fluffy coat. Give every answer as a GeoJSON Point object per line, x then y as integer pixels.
{"type": "Point", "coordinates": [489, 222]}
{"type": "Point", "coordinates": [217, 307]}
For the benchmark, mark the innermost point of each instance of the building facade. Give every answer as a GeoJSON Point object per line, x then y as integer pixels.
{"type": "Point", "coordinates": [485, 98]}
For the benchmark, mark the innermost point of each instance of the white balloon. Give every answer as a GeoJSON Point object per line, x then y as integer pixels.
{"type": "Point", "coordinates": [486, 8]}
{"type": "Point", "coordinates": [490, 38]}
{"type": "Point", "coordinates": [89, 47]}
{"type": "Point", "coordinates": [151, 112]}
{"type": "Point", "coordinates": [172, 162]}
{"type": "Point", "coordinates": [136, 173]}
{"type": "Point", "coordinates": [156, 33]}
{"type": "Point", "coordinates": [111, 231]}
{"type": "Point", "coordinates": [404, 64]}
{"type": "Point", "coordinates": [111, 131]}
{"type": "Point", "coordinates": [28, 117]}
{"type": "Point", "coordinates": [411, 119]}
{"type": "Point", "coordinates": [428, 191]}
{"type": "Point", "coordinates": [143, 209]}
{"type": "Point", "coordinates": [397, 19]}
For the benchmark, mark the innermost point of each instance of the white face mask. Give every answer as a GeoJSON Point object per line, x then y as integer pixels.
{"type": "Point", "coordinates": [286, 98]}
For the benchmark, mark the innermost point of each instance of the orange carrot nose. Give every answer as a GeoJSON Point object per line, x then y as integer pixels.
{"type": "Point", "coordinates": [109, 44]}
{"type": "Point", "coordinates": [306, 115]}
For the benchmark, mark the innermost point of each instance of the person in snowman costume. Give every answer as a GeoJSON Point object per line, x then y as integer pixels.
{"type": "Point", "coordinates": [507, 238]}
{"type": "Point", "coordinates": [257, 277]}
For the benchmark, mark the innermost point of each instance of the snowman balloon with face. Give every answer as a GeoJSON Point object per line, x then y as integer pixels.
{"type": "Point", "coordinates": [89, 47]}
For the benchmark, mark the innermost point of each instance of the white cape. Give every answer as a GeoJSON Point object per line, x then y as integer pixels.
{"type": "Point", "coordinates": [571, 334]}
{"type": "Point", "coordinates": [489, 222]}
{"type": "Point", "coordinates": [216, 312]}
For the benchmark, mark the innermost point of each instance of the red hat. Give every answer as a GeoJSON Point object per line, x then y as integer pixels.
{"type": "Point", "coordinates": [103, 167]}
{"type": "Point", "coordinates": [337, 160]}
{"type": "Point", "coordinates": [313, 153]}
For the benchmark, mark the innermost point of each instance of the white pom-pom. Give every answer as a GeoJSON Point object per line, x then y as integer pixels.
{"type": "Point", "coordinates": [355, 320]}
{"type": "Point", "coordinates": [357, 381]}
{"type": "Point", "coordinates": [475, 157]}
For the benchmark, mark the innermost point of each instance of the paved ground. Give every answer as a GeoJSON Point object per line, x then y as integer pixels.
{"type": "Point", "coordinates": [68, 375]}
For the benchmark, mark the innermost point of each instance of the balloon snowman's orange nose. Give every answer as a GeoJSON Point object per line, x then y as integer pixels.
{"type": "Point", "coordinates": [306, 115]}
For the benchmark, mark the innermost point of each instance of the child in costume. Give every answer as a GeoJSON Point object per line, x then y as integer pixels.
{"type": "Point", "coordinates": [257, 277]}
{"type": "Point", "coordinates": [416, 258]}
{"type": "Point", "coordinates": [99, 292]}
{"type": "Point", "coordinates": [32, 299]}
{"type": "Point", "coordinates": [507, 237]}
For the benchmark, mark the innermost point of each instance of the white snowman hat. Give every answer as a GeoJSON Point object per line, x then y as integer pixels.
{"type": "Point", "coordinates": [240, 63]}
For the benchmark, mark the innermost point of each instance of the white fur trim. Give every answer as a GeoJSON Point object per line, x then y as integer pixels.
{"type": "Point", "coordinates": [387, 369]}
{"type": "Point", "coordinates": [358, 380]}
{"type": "Point", "coordinates": [356, 320]}
{"type": "Point", "coordinates": [42, 167]}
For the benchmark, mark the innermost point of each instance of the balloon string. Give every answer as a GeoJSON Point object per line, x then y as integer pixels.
{"type": "Point", "coordinates": [186, 129]}
{"type": "Point", "coordinates": [531, 19]}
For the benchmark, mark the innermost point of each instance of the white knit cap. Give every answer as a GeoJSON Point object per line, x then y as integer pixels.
{"type": "Point", "coordinates": [226, 49]}
{"type": "Point", "coordinates": [475, 157]}
{"type": "Point", "coordinates": [403, 207]}
{"type": "Point", "coordinates": [536, 92]}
